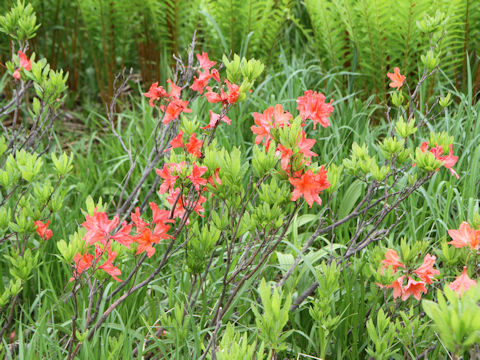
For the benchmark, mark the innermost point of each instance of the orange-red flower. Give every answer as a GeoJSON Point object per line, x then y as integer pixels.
{"type": "Point", "coordinates": [214, 118]}
{"type": "Point", "coordinates": [98, 227]}
{"type": "Point", "coordinates": [312, 106]}
{"type": "Point", "coordinates": [309, 186]}
{"type": "Point", "coordinates": [397, 286]}
{"type": "Point", "coordinates": [272, 117]}
{"type": "Point", "coordinates": [43, 230]}
{"type": "Point", "coordinates": [414, 288]}
{"type": "Point", "coordinates": [448, 160]}
{"type": "Point", "coordinates": [24, 64]}
{"type": "Point", "coordinates": [397, 78]}
{"type": "Point", "coordinates": [462, 283]}
{"type": "Point", "coordinates": [168, 179]}
{"type": "Point", "coordinates": [225, 98]}
{"type": "Point", "coordinates": [108, 266]}
{"type": "Point", "coordinates": [196, 176]}
{"type": "Point", "coordinates": [145, 242]}
{"type": "Point", "coordinates": [123, 235]}
{"type": "Point", "coordinates": [205, 63]}
{"type": "Point", "coordinates": [82, 263]}
{"type": "Point", "coordinates": [155, 93]}
{"type": "Point", "coordinates": [174, 108]}
{"type": "Point", "coordinates": [392, 259]}
{"type": "Point", "coordinates": [194, 146]}
{"type": "Point", "coordinates": [465, 236]}
{"type": "Point", "coordinates": [426, 270]}
{"type": "Point", "coordinates": [160, 215]}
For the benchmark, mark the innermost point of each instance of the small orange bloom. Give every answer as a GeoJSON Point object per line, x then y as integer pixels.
{"type": "Point", "coordinates": [465, 236]}
{"type": "Point", "coordinates": [392, 259]}
{"type": "Point", "coordinates": [462, 283]}
{"type": "Point", "coordinates": [426, 270]}
{"type": "Point", "coordinates": [415, 288]}
{"type": "Point", "coordinates": [43, 230]}
{"type": "Point", "coordinates": [309, 186]}
{"type": "Point", "coordinates": [397, 78]}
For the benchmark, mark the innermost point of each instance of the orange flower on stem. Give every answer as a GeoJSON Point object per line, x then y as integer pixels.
{"type": "Point", "coordinates": [392, 259]}
{"type": "Point", "coordinates": [465, 236]}
{"type": "Point", "coordinates": [312, 106]}
{"type": "Point", "coordinates": [43, 230]}
{"type": "Point", "coordinates": [397, 78]}
{"type": "Point", "coordinates": [414, 288]}
{"type": "Point", "coordinates": [309, 186]}
{"type": "Point", "coordinates": [462, 283]}
{"type": "Point", "coordinates": [426, 270]}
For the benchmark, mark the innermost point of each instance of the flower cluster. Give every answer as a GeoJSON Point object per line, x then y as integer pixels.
{"type": "Point", "coordinates": [425, 273]}
{"type": "Point", "coordinates": [277, 125]}
{"type": "Point", "coordinates": [102, 233]}
{"type": "Point", "coordinates": [178, 178]}
{"type": "Point", "coordinates": [468, 237]}
{"type": "Point", "coordinates": [448, 160]}
{"type": "Point", "coordinates": [173, 105]}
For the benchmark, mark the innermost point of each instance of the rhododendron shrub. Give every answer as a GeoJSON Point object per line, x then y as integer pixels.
{"type": "Point", "coordinates": [202, 241]}
{"type": "Point", "coordinates": [228, 212]}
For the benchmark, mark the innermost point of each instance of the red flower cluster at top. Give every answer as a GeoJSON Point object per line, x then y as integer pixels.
{"type": "Point", "coordinates": [25, 64]}
{"type": "Point", "coordinates": [448, 160]}
{"type": "Point", "coordinates": [101, 234]}
{"type": "Point", "coordinates": [424, 272]}
{"type": "Point", "coordinates": [294, 159]}
{"type": "Point", "coordinates": [174, 104]}
{"type": "Point", "coordinates": [42, 229]}
{"type": "Point", "coordinates": [397, 78]}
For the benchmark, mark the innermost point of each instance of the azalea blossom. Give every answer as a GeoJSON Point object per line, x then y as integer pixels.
{"type": "Point", "coordinates": [312, 106]}
{"type": "Point", "coordinates": [214, 118]}
{"type": "Point", "coordinates": [397, 78]}
{"type": "Point", "coordinates": [194, 146]}
{"type": "Point", "coordinates": [225, 98]}
{"type": "Point", "coordinates": [98, 227]}
{"type": "Point", "coordinates": [462, 283]}
{"type": "Point", "coordinates": [465, 236]}
{"type": "Point", "coordinates": [155, 93]}
{"type": "Point", "coordinates": [309, 186]}
{"type": "Point", "coordinates": [160, 215]}
{"type": "Point", "coordinates": [391, 259]}
{"type": "Point", "coordinates": [168, 179]}
{"type": "Point", "coordinates": [201, 82]}
{"type": "Point", "coordinates": [174, 108]}
{"type": "Point", "coordinates": [272, 117]}
{"type": "Point", "coordinates": [426, 270]}
{"type": "Point", "coordinates": [205, 63]}
{"type": "Point", "coordinates": [414, 288]}
{"type": "Point", "coordinates": [215, 176]}
{"type": "Point", "coordinates": [24, 64]}
{"type": "Point", "coordinates": [448, 160]}
{"type": "Point", "coordinates": [108, 266]}
{"type": "Point", "coordinates": [43, 230]}
{"type": "Point", "coordinates": [397, 286]}
{"type": "Point", "coordinates": [82, 263]}
{"type": "Point", "coordinates": [196, 176]}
